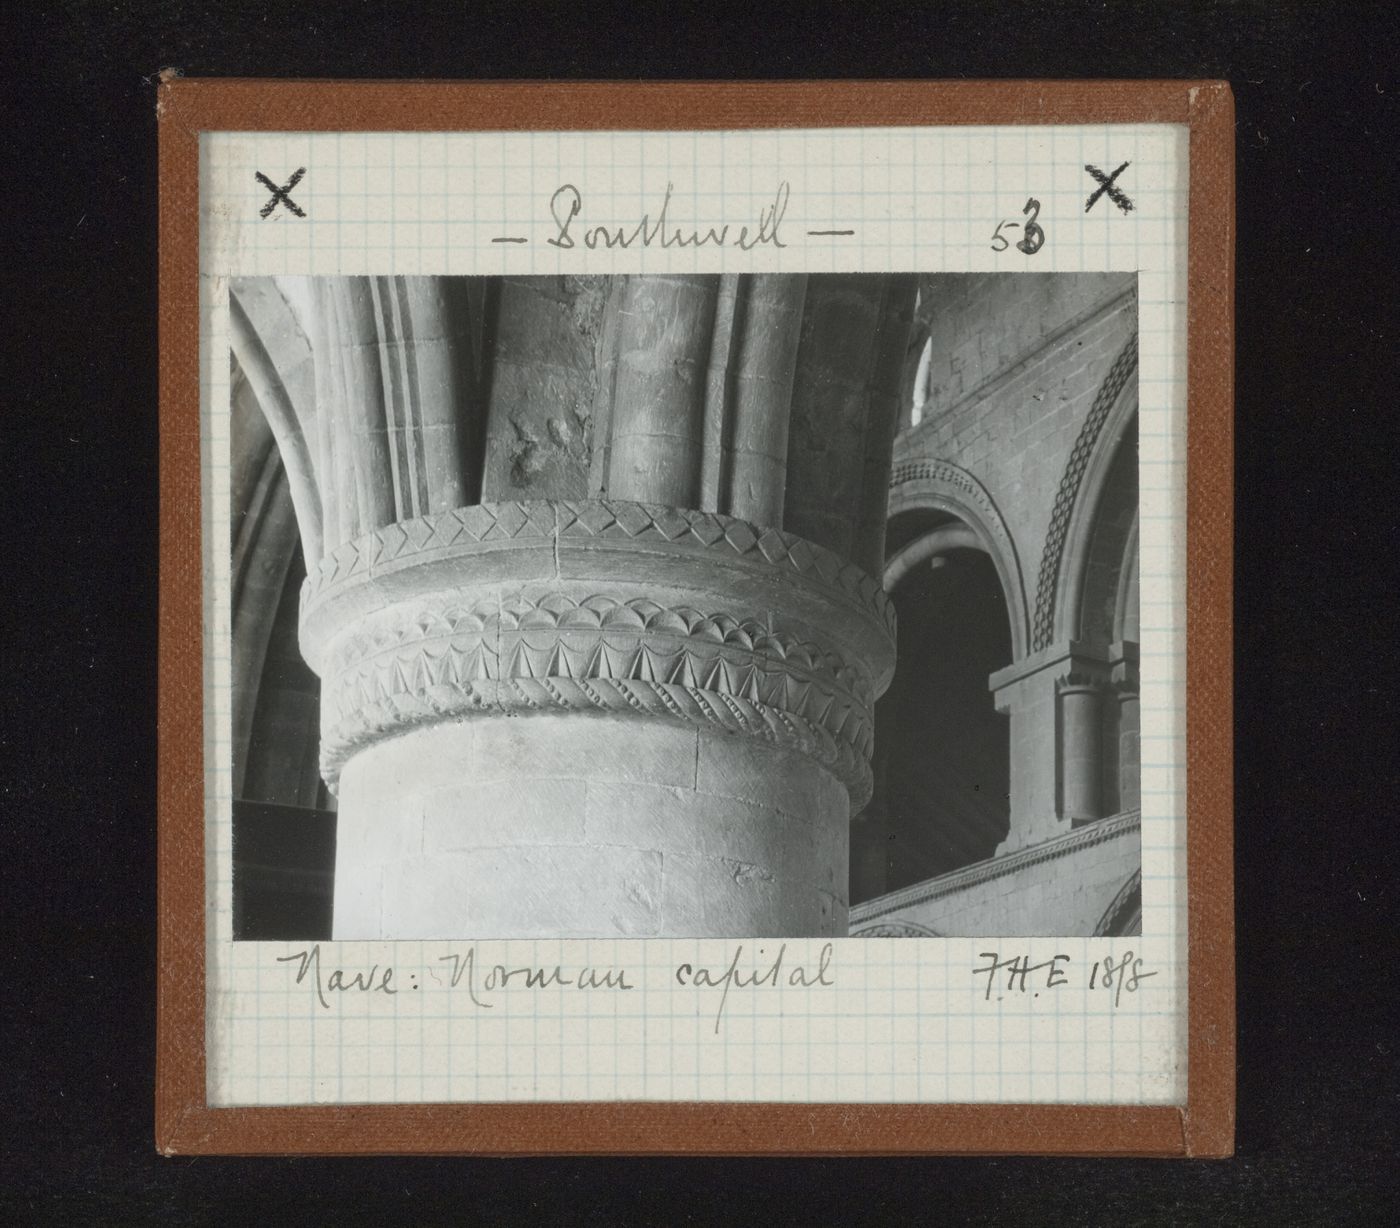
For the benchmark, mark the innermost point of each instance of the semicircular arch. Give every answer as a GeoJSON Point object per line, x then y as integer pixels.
{"type": "Point", "coordinates": [895, 929]}
{"type": "Point", "coordinates": [1060, 581]}
{"type": "Point", "coordinates": [939, 485]}
{"type": "Point", "coordinates": [1123, 916]}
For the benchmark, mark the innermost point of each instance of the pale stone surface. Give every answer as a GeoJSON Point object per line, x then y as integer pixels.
{"type": "Point", "coordinates": [359, 892]}
{"type": "Point", "coordinates": [1033, 704]}
{"type": "Point", "coordinates": [587, 826]}
{"type": "Point", "coordinates": [500, 813]}
{"type": "Point", "coordinates": [588, 746]}
{"type": "Point", "coordinates": [782, 779]}
{"type": "Point", "coordinates": [706, 897]}
{"type": "Point", "coordinates": [1081, 722]}
{"type": "Point", "coordinates": [805, 848]}
{"type": "Point", "coordinates": [562, 891]}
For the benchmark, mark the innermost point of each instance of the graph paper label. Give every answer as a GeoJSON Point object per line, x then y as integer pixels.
{"type": "Point", "coordinates": [1043, 263]}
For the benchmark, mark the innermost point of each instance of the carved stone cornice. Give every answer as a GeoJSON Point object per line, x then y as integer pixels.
{"type": "Point", "coordinates": [1067, 665]}
{"type": "Point", "coordinates": [523, 653]}
{"type": "Point", "coordinates": [614, 607]}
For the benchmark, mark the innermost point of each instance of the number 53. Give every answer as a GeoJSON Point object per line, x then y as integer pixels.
{"type": "Point", "coordinates": [1033, 239]}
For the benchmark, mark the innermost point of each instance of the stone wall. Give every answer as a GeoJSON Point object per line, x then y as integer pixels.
{"type": "Point", "coordinates": [982, 325]}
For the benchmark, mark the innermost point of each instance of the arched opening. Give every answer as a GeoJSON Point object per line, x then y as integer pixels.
{"type": "Point", "coordinates": [1104, 612]}
{"type": "Point", "coordinates": [1123, 917]}
{"type": "Point", "coordinates": [942, 758]}
{"type": "Point", "coordinates": [1110, 554]}
{"type": "Point", "coordinates": [283, 818]}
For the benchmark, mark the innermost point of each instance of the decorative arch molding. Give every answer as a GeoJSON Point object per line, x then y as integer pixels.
{"type": "Point", "coordinates": [1104, 520]}
{"type": "Point", "coordinates": [895, 929]}
{"type": "Point", "coordinates": [942, 486]}
{"type": "Point", "coordinates": [1059, 586]}
{"type": "Point", "coordinates": [1124, 915]}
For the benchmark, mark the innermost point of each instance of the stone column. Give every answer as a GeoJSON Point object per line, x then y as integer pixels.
{"type": "Point", "coordinates": [1081, 749]}
{"type": "Point", "coordinates": [615, 715]}
{"type": "Point", "coordinates": [591, 717]}
{"type": "Point", "coordinates": [1054, 700]}
{"type": "Point", "coordinates": [1127, 688]}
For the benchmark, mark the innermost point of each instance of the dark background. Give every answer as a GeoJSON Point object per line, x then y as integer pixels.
{"type": "Point", "coordinates": [1316, 88]}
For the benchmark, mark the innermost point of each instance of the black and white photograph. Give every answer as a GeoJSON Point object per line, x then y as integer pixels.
{"type": "Point", "coordinates": [476, 698]}
{"type": "Point", "coordinates": [685, 606]}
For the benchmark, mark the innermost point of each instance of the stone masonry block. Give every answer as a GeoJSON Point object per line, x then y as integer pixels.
{"type": "Point", "coordinates": [358, 893]}
{"type": "Point", "coordinates": [413, 764]}
{"type": "Point", "coordinates": [808, 849]}
{"type": "Point", "coordinates": [725, 897]}
{"type": "Point", "coordinates": [602, 747]}
{"type": "Point", "coordinates": [482, 814]}
{"type": "Point", "coordinates": [541, 891]}
{"type": "Point", "coordinates": [784, 780]}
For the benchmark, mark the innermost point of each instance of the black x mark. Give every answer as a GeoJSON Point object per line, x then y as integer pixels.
{"type": "Point", "coordinates": [1106, 185]}
{"type": "Point", "coordinates": [279, 195]}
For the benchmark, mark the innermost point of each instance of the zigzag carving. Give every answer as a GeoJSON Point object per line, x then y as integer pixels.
{"type": "Point", "coordinates": [549, 520]}
{"type": "Point", "coordinates": [558, 626]}
{"type": "Point", "coordinates": [1043, 625]}
{"type": "Point", "coordinates": [516, 654]}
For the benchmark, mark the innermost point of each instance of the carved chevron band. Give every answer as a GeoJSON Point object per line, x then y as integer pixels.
{"type": "Point", "coordinates": [440, 658]}
{"type": "Point", "coordinates": [684, 530]}
{"type": "Point", "coordinates": [605, 606]}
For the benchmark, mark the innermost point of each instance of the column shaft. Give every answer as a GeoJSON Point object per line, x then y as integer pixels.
{"type": "Point", "coordinates": [831, 409]}
{"type": "Point", "coordinates": [1055, 701]}
{"type": "Point", "coordinates": [892, 344]}
{"type": "Point", "coordinates": [756, 443]}
{"type": "Point", "coordinates": [659, 396]}
{"type": "Point", "coordinates": [553, 827]}
{"type": "Point", "coordinates": [1081, 752]}
{"type": "Point", "coordinates": [364, 429]}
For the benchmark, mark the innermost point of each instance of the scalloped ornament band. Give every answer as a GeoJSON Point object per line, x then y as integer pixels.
{"type": "Point", "coordinates": [659, 613]}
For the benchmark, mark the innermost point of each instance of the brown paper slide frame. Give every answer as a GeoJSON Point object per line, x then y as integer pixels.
{"type": "Point", "coordinates": [186, 1124]}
